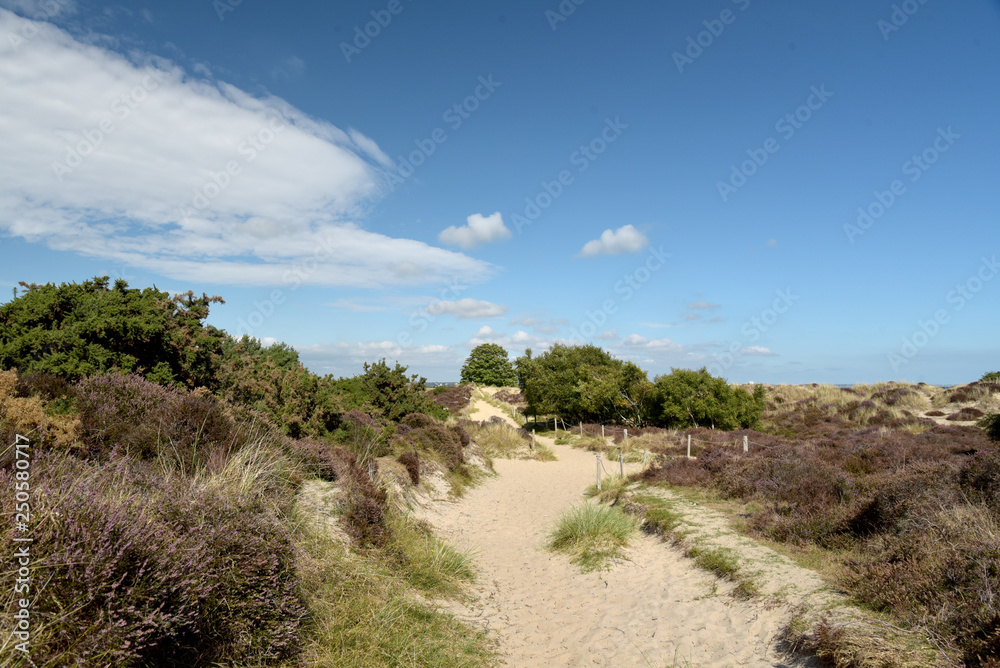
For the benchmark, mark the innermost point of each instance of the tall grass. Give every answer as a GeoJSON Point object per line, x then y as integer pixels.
{"type": "Point", "coordinates": [593, 535]}
{"type": "Point", "coordinates": [499, 440]}
{"type": "Point", "coordinates": [363, 609]}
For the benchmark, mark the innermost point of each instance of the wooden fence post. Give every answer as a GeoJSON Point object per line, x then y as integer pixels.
{"type": "Point", "coordinates": [621, 463]}
{"type": "Point", "coordinates": [689, 446]}
{"type": "Point", "coordinates": [532, 439]}
{"type": "Point", "coordinates": [581, 428]}
{"type": "Point", "coordinates": [597, 458]}
{"type": "Point", "coordinates": [602, 432]}
{"type": "Point", "coordinates": [746, 445]}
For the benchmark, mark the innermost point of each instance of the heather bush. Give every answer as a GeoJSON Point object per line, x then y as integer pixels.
{"type": "Point", "coordinates": [912, 513]}
{"type": "Point", "coordinates": [125, 415]}
{"type": "Point", "coordinates": [418, 420]}
{"type": "Point", "coordinates": [411, 460]}
{"type": "Point", "coordinates": [320, 460]}
{"type": "Point", "coordinates": [135, 569]}
{"type": "Point", "coordinates": [439, 439]}
{"type": "Point", "coordinates": [364, 509]}
{"type": "Point", "coordinates": [454, 398]}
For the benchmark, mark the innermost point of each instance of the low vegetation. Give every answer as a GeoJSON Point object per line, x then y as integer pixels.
{"type": "Point", "coordinates": [594, 536]}
{"type": "Point", "coordinates": [166, 475]}
{"type": "Point", "coordinates": [907, 507]}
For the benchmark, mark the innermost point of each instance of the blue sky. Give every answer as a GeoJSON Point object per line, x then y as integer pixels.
{"type": "Point", "coordinates": [782, 192]}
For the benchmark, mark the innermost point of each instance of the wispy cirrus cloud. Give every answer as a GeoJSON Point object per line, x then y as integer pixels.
{"type": "Point", "coordinates": [133, 160]}
{"type": "Point", "coordinates": [467, 308]}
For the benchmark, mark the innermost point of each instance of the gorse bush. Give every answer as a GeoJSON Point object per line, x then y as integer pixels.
{"type": "Point", "coordinates": [75, 330]}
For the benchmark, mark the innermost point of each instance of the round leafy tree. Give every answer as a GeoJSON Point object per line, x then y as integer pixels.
{"type": "Point", "coordinates": [487, 364]}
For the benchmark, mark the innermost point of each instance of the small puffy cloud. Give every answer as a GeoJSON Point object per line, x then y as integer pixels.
{"type": "Point", "coordinates": [487, 333]}
{"type": "Point", "coordinates": [479, 230]}
{"type": "Point", "coordinates": [658, 325]}
{"type": "Point", "coordinates": [758, 351]}
{"type": "Point", "coordinates": [702, 305]}
{"type": "Point", "coordinates": [625, 239]}
{"type": "Point", "coordinates": [772, 243]}
{"type": "Point", "coordinates": [690, 317]}
{"type": "Point", "coordinates": [608, 335]}
{"type": "Point", "coordinates": [467, 308]}
{"type": "Point", "coordinates": [527, 321]}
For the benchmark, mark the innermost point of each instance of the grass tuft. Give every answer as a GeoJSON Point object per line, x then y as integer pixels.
{"type": "Point", "coordinates": [594, 536]}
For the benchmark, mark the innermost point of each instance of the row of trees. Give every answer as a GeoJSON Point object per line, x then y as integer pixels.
{"type": "Point", "coordinates": [588, 384]}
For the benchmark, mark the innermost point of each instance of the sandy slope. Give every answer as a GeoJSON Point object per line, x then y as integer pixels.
{"type": "Point", "coordinates": [655, 609]}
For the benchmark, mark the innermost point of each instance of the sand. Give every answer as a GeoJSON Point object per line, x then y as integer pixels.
{"type": "Point", "coordinates": [654, 609]}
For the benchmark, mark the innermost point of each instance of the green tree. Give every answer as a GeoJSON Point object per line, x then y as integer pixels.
{"type": "Point", "coordinates": [488, 364]}
{"type": "Point", "coordinates": [584, 383]}
{"type": "Point", "coordinates": [74, 330]}
{"type": "Point", "coordinates": [686, 398]}
{"type": "Point", "coordinates": [991, 377]}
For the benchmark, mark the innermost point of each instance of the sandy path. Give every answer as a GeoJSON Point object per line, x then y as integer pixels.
{"type": "Point", "coordinates": [655, 609]}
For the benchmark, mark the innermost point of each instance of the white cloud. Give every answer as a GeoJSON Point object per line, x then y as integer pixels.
{"type": "Point", "coordinates": [479, 230]}
{"type": "Point", "coordinates": [625, 239]}
{"type": "Point", "coordinates": [609, 335]}
{"type": "Point", "coordinates": [437, 362]}
{"type": "Point", "coordinates": [758, 351]}
{"type": "Point", "coordinates": [638, 341]}
{"type": "Point", "coordinates": [772, 243]}
{"type": "Point", "coordinates": [126, 160]}
{"type": "Point", "coordinates": [658, 325]}
{"type": "Point", "coordinates": [703, 305]}
{"type": "Point", "coordinates": [467, 308]}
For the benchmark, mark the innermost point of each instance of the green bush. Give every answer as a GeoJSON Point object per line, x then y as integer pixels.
{"type": "Point", "coordinates": [687, 398]}
{"type": "Point", "coordinates": [488, 364]}
{"type": "Point", "coordinates": [75, 330]}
